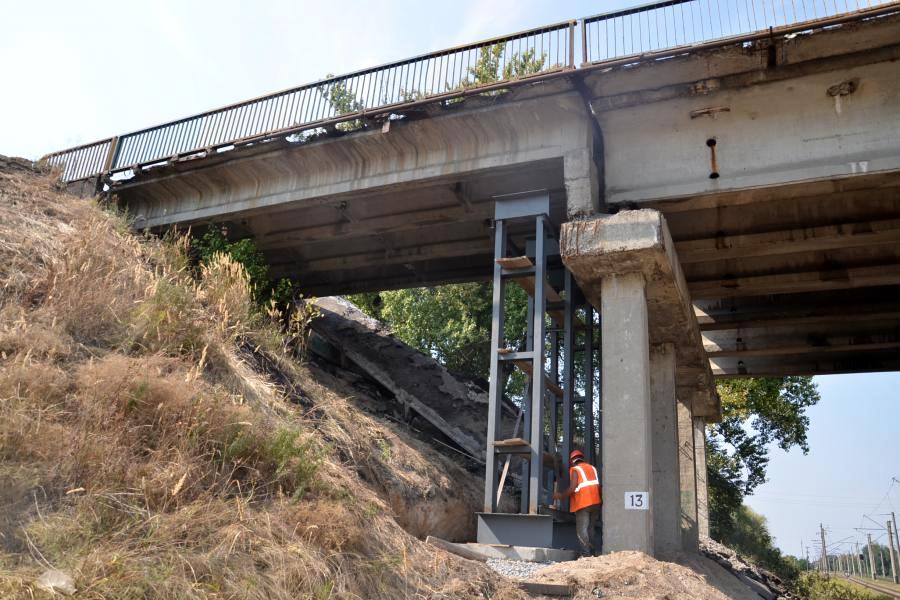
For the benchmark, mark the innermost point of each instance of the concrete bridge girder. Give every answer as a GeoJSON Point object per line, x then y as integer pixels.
{"type": "Point", "coordinates": [413, 195]}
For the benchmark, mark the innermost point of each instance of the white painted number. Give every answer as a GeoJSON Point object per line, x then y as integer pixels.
{"type": "Point", "coordinates": [637, 500]}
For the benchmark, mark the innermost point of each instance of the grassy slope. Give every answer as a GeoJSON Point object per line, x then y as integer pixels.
{"type": "Point", "coordinates": [143, 454]}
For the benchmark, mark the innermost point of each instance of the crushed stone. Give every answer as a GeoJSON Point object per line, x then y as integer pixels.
{"type": "Point", "coordinates": [516, 569]}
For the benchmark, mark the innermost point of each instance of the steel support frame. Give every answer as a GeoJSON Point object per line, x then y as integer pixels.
{"type": "Point", "coordinates": [541, 409]}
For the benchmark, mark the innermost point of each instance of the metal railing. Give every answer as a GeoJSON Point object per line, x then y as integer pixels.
{"type": "Point", "coordinates": [82, 162]}
{"type": "Point", "coordinates": [445, 74]}
{"type": "Point", "coordinates": [648, 31]}
{"type": "Point", "coordinates": [665, 26]}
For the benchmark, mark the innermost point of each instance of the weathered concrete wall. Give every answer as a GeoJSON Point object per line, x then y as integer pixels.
{"type": "Point", "coordinates": [639, 242]}
{"type": "Point", "coordinates": [702, 490]}
{"type": "Point", "coordinates": [627, 435]}
{"type": "Point", "coordinates": [414, 152]}
{"type": "Point", "coordinates": [687, 477]}
{"type": "Point", "coordinates": [666, 484]}
{"type": "Point", "coordinates": [771, 125]}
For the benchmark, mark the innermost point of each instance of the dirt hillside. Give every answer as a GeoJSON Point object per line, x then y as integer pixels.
{"type": "Point", "coordinates": [158, 439]}
{"type": "Point", "coordinates": [144, 452]}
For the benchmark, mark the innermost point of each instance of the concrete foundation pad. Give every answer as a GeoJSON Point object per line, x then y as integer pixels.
{"type": "Point", "coordinates": [525, 553]}
{"type": "Point", "coordinates": [638, 241]}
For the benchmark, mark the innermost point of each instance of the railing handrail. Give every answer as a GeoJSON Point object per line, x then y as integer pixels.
{"type": "Point", "coordinates": [338, 78]}
{"type": "Point", "coordinates": [631, 10]}
{"type": "Point", "coordinates": [269, 109]}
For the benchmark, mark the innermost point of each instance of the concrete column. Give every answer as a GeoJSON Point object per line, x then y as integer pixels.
{"type": "Point", "coordinates": [687, 476]}
{"type": "Point", "coordinates": [581, 181]}
{"type": "Point", "coordinates": [666, 498]}
{"type": "Point", "coordinates": [700, 465]}
{"type": "Point", "coordinates": [627, 443]}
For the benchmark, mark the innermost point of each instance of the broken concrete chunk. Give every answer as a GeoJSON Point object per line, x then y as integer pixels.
{"type": "Point", "coordinates": [56, 581]}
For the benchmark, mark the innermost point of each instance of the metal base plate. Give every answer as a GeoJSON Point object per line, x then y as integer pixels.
{"type": "Point", "coordinates": [542, 531]}
{"type": "Point", "coordinates": [515, 529]}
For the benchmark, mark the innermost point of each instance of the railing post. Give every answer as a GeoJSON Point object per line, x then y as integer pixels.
{"type": "Point", "coordinates": [584, 44]}
{"type": "Point", "coordinates": [572, 44]}
{"type": "Point", "coordinates": [111, 155]}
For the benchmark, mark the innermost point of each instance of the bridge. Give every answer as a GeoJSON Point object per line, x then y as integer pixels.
{"type": "Point", "coordinates": [722, 178]}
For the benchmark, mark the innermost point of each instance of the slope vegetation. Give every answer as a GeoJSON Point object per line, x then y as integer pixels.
{"type": "Point", "coordinates": [158, 440]}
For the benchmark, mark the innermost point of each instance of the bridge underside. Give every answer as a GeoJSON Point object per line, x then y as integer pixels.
{"type": "Point", "coordinates": [799, 280]}
{"type": "Point", "coordinates": [772, 169]}
{"type": "Point", "coordinates": [788, 238]}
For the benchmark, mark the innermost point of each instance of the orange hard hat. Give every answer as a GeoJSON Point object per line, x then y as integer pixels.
{"type": "Point", "coordinates": [576, 454]}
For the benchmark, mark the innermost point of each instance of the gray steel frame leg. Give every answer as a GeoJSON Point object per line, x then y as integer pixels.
{"type": "Point", "coordinates": [537, 391]}
{"type": "Point", "coordinates": [495, 390]}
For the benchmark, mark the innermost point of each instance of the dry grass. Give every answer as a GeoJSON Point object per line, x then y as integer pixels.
{"type": "Point", "coordinates": [140, 454]}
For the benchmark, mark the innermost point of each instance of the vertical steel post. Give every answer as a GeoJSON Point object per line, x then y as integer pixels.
{"type": "Point", "coordinates": [527, 408]}
{"type": "Point", "coordinates": [588, 406]}
{"type": "Point", "coordinates": [568, 369]}
{"type": "Point", "coordinates": [584, 42]}
{"type": "Point", "coordinates": [568, 364]}
{"type": "Point", "coordinates": [495, 389]}
{"type": "Point", "coordinates": [537, 365]}
{"type": "Point", "coordinates": [572, 45]}
{"type": "Point", "coordinates": [554, 377]}
{"type": "Point", "coordinates": [599, 433]}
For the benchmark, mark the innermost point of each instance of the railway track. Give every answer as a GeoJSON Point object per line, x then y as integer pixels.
{"type": "Point", "coordinates": [893, 593]}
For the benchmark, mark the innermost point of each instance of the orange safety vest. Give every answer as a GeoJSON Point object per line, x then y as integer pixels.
{"type": "Point", "coordinates": [587, 487]}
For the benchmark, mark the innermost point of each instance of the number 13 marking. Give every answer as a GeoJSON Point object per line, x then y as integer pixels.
{"type": "Point", "coordinates": [637, 500]}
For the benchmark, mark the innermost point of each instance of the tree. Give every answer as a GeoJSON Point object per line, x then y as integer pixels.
{"type": "Point", "coordinates": [342, 100]}
{"type": "Point", "coordinates": [245, 252]}
{"type": "Point", "coordinates": [451, 323]}
{"type": "Point", "coordinates": [488, 69]}
{"type": "Point", "coordinates": [756, 413]}
{"type": "Point", "coordinates": [749, 536]}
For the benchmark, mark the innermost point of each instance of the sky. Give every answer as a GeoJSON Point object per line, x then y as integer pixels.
{"type": "Point", "coordinates": [75, 72]}
{"type": "Point", "coordinates": [854, 452]}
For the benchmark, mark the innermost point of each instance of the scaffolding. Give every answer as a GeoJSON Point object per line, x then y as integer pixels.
{"type": "Point", "coordinates": [560, 327]}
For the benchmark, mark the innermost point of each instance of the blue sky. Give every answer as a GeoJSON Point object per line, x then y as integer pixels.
{"type": "Point", "coordinates": [75, 72]}
{"type": "Point", "coordinates": [854, 454]}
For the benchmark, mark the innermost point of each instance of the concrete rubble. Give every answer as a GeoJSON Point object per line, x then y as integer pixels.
{"type": "Point", "coordinates": [765, 583]}
{"type": "Point", "coordinates": [418, 386]}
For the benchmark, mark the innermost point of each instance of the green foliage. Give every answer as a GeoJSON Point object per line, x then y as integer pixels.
{"type": "Point", "coordinates": [757, 412]}
{"type": "Point", "coordinates": [813, 586]}
{"type": "Point", "coordinates": [451, 323]}
{"type": "Point", "coordinates": [292, 458]}
{"type": "Point", "coordinates": [245, 252]}
{"type": "Point", "coordinates": [491, 68]}
{"type": "Point", "coordinates": [750, 537]}
{"type": "Point", "coordinates": [343, 101]}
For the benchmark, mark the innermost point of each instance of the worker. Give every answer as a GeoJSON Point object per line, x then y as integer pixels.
{"type": "Point", "coordinates": [585, 493]}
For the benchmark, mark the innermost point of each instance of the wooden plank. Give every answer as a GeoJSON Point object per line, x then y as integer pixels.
{"type": "Point", "coordinates": [515, 262]}
{"type": "Point", "coordinates": [456, 549]}
{"type": "Point", "coordinates": [547, 589]}
{"type": "Point", "coordinates": [525, 365]}
{"type": "Point", "coordinates": [511, 442]}
{"type": "Point", "coordinates": [527, 283]}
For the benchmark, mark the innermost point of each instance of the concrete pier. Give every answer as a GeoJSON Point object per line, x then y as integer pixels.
{"type": "Point", "coordinates": [627, 441]}
{"type": "Point", "coordinates": [652, 353]}
{"type": "Point", "coordinates": [666, 498]}
{"type": "Point", "coordinates": [687, 476]}
{"type": "Point", "coordinates": [702, 492]}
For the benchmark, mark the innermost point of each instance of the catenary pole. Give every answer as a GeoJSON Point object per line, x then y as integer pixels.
{"type": "Point", "coordinates": [891, 549]}
{"type": "Point", "coordinates": [871, 556]}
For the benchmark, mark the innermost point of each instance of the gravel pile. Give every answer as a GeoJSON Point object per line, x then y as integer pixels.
{"type": "Point", "coordinates": [516, 569]}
